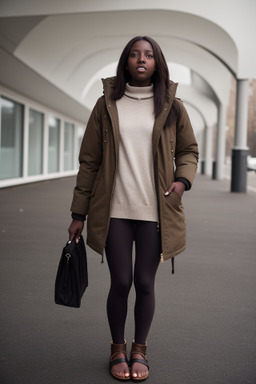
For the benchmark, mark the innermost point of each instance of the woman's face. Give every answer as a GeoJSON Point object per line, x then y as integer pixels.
{"type": "Point", "coordinates": [141, 64]}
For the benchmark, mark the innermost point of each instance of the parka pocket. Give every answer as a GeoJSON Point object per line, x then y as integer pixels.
{"type": "Point", "coordinates": [174, 201]}
{"type": "Point", "coordinates": [174, 213]}
{"type": "Point", "coordinates": [173, 225]}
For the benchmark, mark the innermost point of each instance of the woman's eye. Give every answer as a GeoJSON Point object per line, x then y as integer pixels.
{"type": "Point", "coordinates": [136, 55]}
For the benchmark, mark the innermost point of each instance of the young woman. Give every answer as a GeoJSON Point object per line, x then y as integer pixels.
{"type": "Point", "coordinates": [138, 156]}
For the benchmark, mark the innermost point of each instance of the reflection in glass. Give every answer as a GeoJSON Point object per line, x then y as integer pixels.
{"type": "Point", "coordinates": [68, 146]}
{"type": "Point", "coordinates": [53, 144]}
{"type": "Point", "coordinates": [35, 145]}
{"type": "Point", "coordinates": [11, 136]}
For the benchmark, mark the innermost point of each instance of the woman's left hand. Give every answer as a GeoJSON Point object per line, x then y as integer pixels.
{"type": "Point", "coordinates": [177, 187]}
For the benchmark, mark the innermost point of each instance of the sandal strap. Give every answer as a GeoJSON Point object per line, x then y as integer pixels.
{"type": "Point", "coordinates": [139, 349]}
{"type": "Point", "coordinates": [141, 361]}
{"type": "Point", "coordinates": [116, 349]}
{"type": "Point", "coordinates": [117, 361]}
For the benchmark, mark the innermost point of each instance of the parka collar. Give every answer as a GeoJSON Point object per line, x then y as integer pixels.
{"type": "Point", "coordinates": [109, 84]}
{"type": "Point", "coordinates": [171, 92]}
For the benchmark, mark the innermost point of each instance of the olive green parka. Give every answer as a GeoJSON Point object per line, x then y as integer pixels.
{"type": "Point", "coordinates": [175, 154]}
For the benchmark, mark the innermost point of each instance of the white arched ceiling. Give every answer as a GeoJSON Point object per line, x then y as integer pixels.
{"type": "Point", "coordinates": [69, 49]}
{"type": "Point", "coordinates": [236, 18]}
{"type": "Point", "coordinates": [235, 21]}
{"type": "Point", "coordinates": [82, 34]}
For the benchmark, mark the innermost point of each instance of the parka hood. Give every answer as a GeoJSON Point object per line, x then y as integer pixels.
{"type": "Point", "coordinates": [109, 84]}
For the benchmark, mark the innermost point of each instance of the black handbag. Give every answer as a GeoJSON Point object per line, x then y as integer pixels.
{"type": "Point", "coordinates": [72, 276]}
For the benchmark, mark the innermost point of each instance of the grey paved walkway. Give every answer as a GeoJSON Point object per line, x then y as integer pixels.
{"type": "Point", "coordinates": [204, 330]}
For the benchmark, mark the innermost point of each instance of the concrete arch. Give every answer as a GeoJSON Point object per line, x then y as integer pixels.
{"type": "Point", "coordinates": [55, 51]}
{"type": "Point", "coordinates": [243, 14]}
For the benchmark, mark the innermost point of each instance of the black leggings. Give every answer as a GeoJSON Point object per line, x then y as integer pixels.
{"type": "Point", "coordinates": [119, 246]}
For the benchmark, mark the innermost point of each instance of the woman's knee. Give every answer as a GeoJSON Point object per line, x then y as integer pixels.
{"type": "Point", "coordinates": [122, 286]}
{"type": "Point", "coordinates": [144, 286]}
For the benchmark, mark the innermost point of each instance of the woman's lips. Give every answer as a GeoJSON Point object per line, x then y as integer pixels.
{"type": "Point", "coordinates": [141, 69]}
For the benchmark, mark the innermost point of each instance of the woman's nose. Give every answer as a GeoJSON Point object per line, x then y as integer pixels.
{"type": "Point", "coordinates": [141, 59]}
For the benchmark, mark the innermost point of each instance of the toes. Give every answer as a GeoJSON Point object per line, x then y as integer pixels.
{"type": "Point", "coordinates": [138, 374]}
{"type": "Point", "coordinates": [121, 374]}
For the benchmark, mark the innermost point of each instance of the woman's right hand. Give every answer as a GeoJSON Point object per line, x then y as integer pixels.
{"type": "Point", "coordinates": [75, 229]}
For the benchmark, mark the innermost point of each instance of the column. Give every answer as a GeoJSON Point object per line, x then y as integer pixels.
{"type": "Point", "coordinates": [202, 151]}
{"type": "Point", "coordinates": [208, 151]}
{"type": "Point", "coordinates": [240, 149]}
{"type": "Point", "coordinates": [220, 143]}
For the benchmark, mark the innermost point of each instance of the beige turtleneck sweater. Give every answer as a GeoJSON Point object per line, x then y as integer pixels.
{"type": "Point", "coordinates": [134, 194]}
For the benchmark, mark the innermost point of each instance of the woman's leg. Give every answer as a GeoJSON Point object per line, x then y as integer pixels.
{"type": "Point", "coordinates": [119, 257]}
{"type": "Point", "coordinates": [148, 249]}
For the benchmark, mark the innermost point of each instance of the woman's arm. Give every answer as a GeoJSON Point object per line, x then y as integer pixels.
{"type": "Point", "coordinates": [90, 159]}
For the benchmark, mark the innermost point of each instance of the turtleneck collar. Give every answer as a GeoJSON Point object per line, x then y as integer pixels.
{"type": "Point", "coordinates": [139, 93]}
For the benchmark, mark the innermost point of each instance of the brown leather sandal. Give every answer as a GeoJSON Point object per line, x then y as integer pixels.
{"type": "Point", "coordinates": [116, 349]}
{"type": "Point", "coordinates": [139, 349]}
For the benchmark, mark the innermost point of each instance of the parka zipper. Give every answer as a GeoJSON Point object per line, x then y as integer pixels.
{"type": "Point", "coordinates": [108, 105]}
{"type": "Point", "coordinates": [158, 203]}
{"type": "Point", "coordinates": [158, 206]}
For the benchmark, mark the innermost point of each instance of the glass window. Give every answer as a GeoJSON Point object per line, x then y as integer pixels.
{"type": "Point", "coordinates": [11, 147]}
{"type": "Point", "coordinates": [35, 148]}
{"type": "Point", "coordinates": [53, 144]}
{"type": "Point", "coordinates": [79, 138]}
{"type": "Point", "coordinates": [68, 146]}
